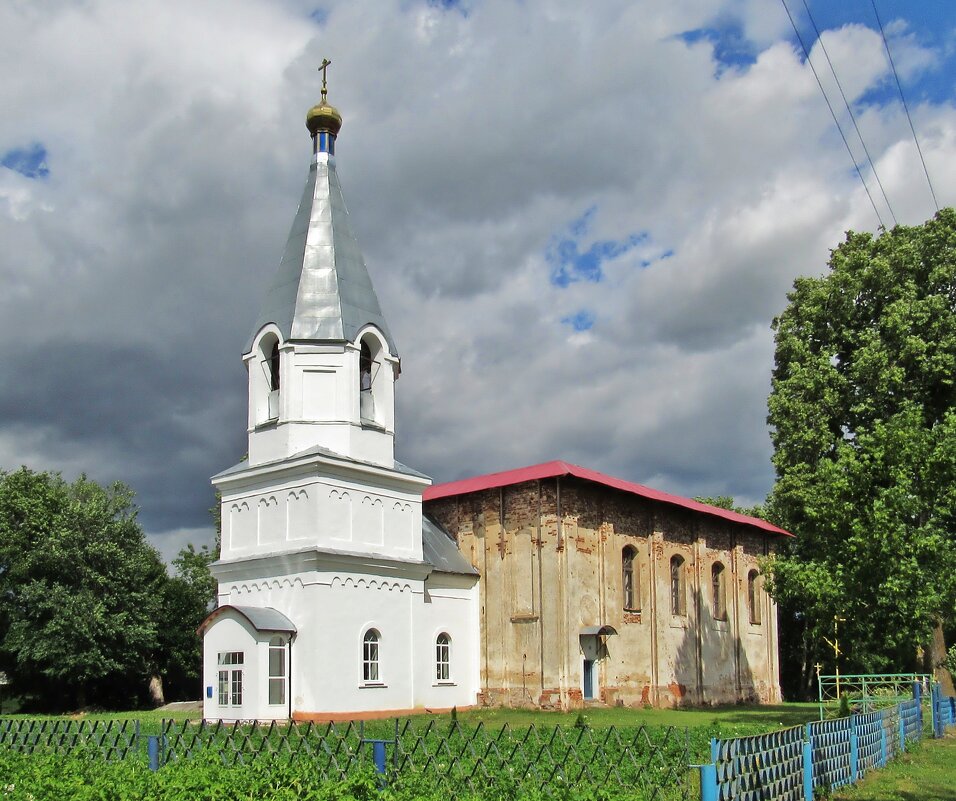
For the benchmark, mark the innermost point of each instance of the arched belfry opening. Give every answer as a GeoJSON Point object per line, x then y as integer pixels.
{"type": "Point", "coordinates": [265, 376]}
{"type": "Point", "coordinates": [371, 361]}
{"type": "Point", "coordinates": [274, 367]}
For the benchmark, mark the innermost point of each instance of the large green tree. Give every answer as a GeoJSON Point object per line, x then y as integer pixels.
{"type": "Point", "coordinates": [80, 591]}
{"type": "Point", "coordinates": [863, 416]}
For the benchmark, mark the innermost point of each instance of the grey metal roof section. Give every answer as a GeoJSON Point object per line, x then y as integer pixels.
{"type": "Point", "coordinates": [318, 450]}
{"type": "Point", "coordinates": [262, 618]}
{"type": "Point", "coordinates": [440, 550]}
{"type": "Point", "coordinates": [597, 631]}
{"type": "Point", "coordinates": [322, 290]}
{"type": "Point", "coordinates": [265, 618]}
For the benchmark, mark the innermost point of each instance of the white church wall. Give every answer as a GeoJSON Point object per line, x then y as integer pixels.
{"type": "Point", "coordinates": [449, 607]}
{"type": "Point", "coordinates": [327, 661]}
{"type": "Point", "coordinates": [318, 400]}
{"type": "Point", "coordinates": [325, 512]}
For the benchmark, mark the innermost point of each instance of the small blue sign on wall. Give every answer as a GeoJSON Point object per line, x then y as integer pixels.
{"type": "Point", "coordinates": [209, 691]}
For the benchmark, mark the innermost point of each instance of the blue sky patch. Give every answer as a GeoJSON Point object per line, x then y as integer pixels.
{"type": "Point", "coordinates": [570, 262]}
{"type": "Point", "coordinates": [931, 22]}
{"type": "Point", "coordinates": [319, 16]}
{"type": "Point", "coordinates": [731, 48]}
{"type": "Point", "coordinates": [29, 161]}
{"type": "Point", "coordinates": [580, 321]}
{"type": "Point", "coordinates": [461, 6]}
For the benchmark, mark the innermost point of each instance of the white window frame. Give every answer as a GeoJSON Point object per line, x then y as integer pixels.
{"type": "Point", "coordinates": [443, 658]}
{"type": "Point", "coordinates": [278, 676]}
{"type": "Point", "coordinates": [231, 665]}
{"type": "Point", "coordinates": [372, 658]}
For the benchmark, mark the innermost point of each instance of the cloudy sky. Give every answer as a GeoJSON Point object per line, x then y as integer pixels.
{"type": "Point", "coordinates": [581, 219]}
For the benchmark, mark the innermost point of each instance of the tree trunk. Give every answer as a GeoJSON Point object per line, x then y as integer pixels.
{"type": "Point", "coordinates": [937, 660]}
{"type": "Point", "coordinates": [156, 690]}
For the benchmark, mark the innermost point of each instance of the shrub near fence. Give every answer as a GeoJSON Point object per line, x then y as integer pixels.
{"type": "Point", "coordinates": [791, 765]}
{"type": "Point", "coordinates": [483, 760]}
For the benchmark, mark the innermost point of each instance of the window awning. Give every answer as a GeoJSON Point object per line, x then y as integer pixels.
{"type": "Point", "coordinates": [598, 631]}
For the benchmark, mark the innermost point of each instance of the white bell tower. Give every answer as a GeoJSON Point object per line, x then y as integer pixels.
{"type": "Point", "coordinates": [321, 362]}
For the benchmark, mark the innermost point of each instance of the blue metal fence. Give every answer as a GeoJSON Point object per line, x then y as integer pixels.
{"type": "Point", "coordinates": [944, 711]}
{"type": "Point", "coordinates": [792, 764]}
{"type": "Point", "coordinates": [111, 739]}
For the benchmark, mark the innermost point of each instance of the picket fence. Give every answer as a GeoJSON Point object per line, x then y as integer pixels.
{"type": "Point", "coordinates": [450, 755]}
{"type": "Point", "coordinates": [792, 764]}
{"type": "Point", "coordinates": [787, 765]}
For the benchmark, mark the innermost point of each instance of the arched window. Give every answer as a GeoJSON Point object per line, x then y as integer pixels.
{"type": "Point", "coordinates": [678, 588]}
{"type": "Point", "coordinates": [443, 657]}
{"type": "Point", "coordinates": [632, 595]}
{"type": "Point", "coordinates": [718, 581]}
{"type": "Point", "coordinates": [274, 368]}
{"type": "Point", "coordinates": [370, 656]}
{"type": "Point", "coordinates": [278, 673]}
{"type": "Point", "coordinates": [753, 597]}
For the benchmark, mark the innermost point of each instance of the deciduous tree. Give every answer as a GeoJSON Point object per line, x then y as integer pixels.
{"type": "Point", "coordinates": [80, 591]}
{"type": "Point", "coordinates": [863, 416]}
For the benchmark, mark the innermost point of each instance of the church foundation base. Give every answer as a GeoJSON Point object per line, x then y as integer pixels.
{"type": "Point", "coordinates": [377, 714]}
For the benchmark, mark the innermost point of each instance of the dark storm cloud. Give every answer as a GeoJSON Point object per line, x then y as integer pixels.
{"type": "Point", "coordinates": [174, 141]}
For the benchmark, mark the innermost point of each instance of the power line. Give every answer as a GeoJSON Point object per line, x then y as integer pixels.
{"type": "Point", "coordinates": [846, 103]}
{"type": "Point", "coordinates": [846, 144]}
{"type": "Point", "coordinates": [899, 86]}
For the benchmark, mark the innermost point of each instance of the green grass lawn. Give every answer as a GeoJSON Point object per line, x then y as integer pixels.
{"type": "Point", "coordinates": [925, 773]}
{"type": "Point", "coordinates": [756, 718]}
{"type": "Point", "coordinates": [749, 718]}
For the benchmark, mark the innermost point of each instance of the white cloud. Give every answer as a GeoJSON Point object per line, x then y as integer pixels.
{"type": "Point", "coordinates": [177, 151]}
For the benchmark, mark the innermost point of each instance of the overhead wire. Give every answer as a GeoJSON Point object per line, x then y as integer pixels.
{"type": "Point", "coordinates": [836, 121]}
{"type": "Point", "coordinates": [899, 86]}
{"type": "Point", "coordinates": [849, 109]}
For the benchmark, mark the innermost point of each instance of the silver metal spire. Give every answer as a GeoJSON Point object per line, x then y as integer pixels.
{"type": "Point", "coordinates": [322, 290]}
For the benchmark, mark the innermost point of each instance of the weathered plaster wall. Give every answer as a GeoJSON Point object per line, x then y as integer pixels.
{"type": "Point", "coordinates": [550, 557]}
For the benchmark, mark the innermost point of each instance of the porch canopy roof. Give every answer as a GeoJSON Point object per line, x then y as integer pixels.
{"type": "Point", "coordinates": [598, 631]}
{"type": "Point", "coordinates": [261, 618]}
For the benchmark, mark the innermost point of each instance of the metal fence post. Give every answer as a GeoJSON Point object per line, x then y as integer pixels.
{"type": "Point", "coordinates": [883, 755]}
{"type": "Point", "coordinates": [714, 749]}
{"type": "Point", "coordinates": [807, 768]}
{"type": "Point", "coordinates": [395, 749]}
{"type": "Point", "coordinates": [902, 730]}
{"type": "Point", "coordinates": [378, 755]}
{"type": "Point", "coordinates": [934, 709]}
{"type": "Point", "coordinates": [708, 782]}
{"type": "Point", "coordinates": [854, 752]}
{"type": "Point", "coordinates": [918, 697]}
{"type": "Point", "coordinates": [152, 751]}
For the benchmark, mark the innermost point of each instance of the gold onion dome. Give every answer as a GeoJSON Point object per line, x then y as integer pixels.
{"type": "Point", "coordinates": [323, 117]}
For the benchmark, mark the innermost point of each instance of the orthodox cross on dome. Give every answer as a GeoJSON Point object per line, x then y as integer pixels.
{"type": "Point", "coordinates": [323, 120]}
{"type": "Point", "coordinates": [324, 69]}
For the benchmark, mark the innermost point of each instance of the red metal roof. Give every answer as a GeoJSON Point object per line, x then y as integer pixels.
{"type": "Point", "coordinates": [559, 468]}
